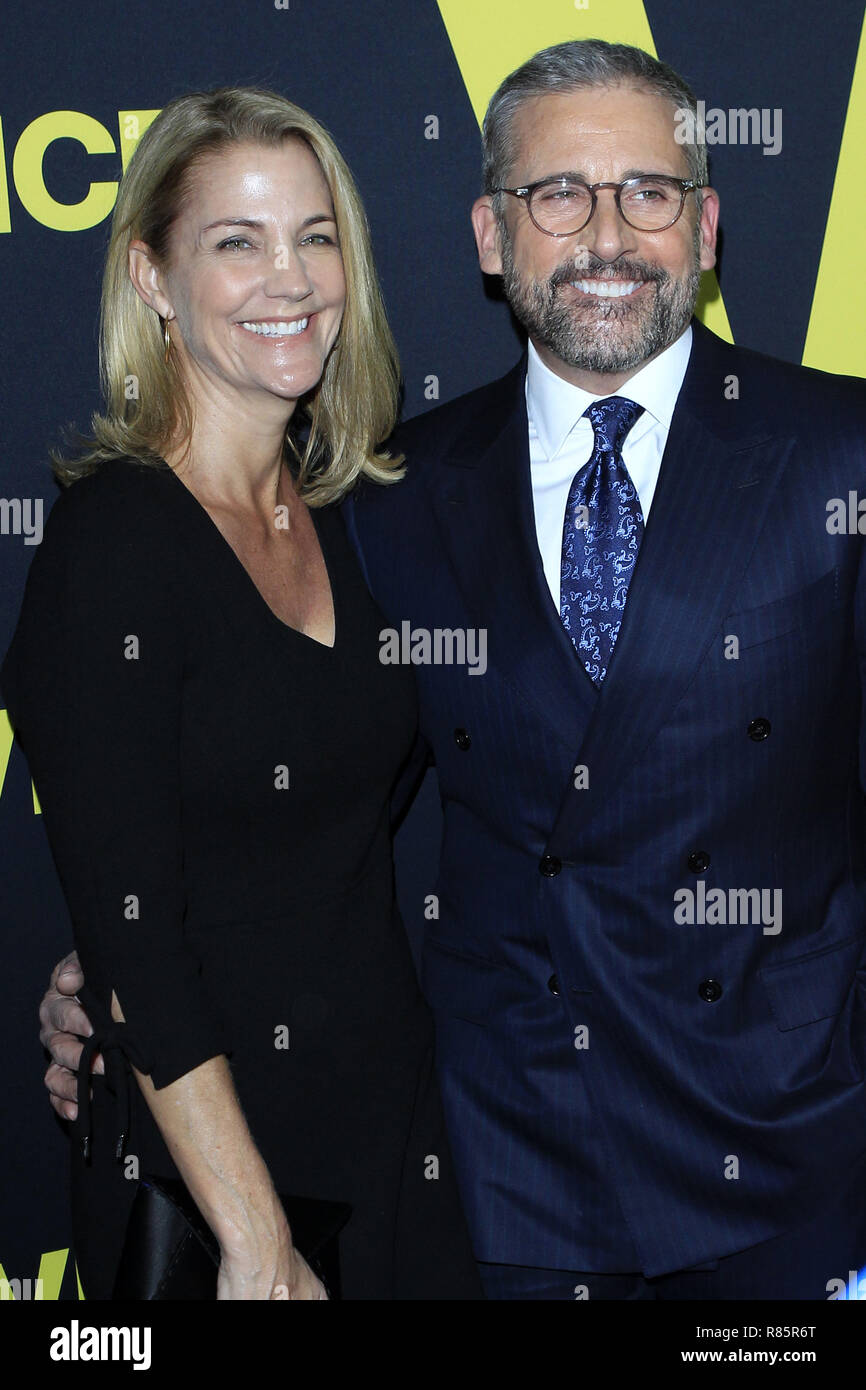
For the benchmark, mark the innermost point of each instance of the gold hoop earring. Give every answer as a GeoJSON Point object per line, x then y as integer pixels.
{"type": "Point", "coordinates": [167, 339]}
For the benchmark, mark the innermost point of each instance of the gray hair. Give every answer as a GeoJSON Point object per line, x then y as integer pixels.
{"type": "Point", "coordinates": [570, 67]}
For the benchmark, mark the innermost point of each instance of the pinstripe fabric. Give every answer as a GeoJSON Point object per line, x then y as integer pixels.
{"type": "Point", "coordinates": [687, 1128]}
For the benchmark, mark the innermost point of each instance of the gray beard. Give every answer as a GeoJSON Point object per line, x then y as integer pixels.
{"type": "Point", "coordinates": [608, 335]}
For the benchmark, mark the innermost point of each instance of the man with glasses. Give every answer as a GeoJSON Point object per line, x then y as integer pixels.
{"type": "Point", "coordinates": [647, 951]}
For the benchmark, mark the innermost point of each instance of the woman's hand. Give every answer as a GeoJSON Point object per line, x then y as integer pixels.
{"type": "Point", "coordinates": [241, 1277]}
{"type": "Point", "coordinates": [253, 1266]}
{"type": "Point", "coordinates": [259, 1261]}
{"type": "Point", "coordinates": [204, 1128]}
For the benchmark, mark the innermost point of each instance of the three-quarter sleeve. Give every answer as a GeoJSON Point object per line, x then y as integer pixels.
{"type": "Point", "coordinates": [94, 686]}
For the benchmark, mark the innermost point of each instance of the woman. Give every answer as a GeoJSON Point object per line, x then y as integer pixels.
{"type": "Point", "coordinates": [195, 681]}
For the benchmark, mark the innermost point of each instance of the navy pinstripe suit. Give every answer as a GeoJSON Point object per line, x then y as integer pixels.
{"type": "Point", "coordinates": [603, 1063]}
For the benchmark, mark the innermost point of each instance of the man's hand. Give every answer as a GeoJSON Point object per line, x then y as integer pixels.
{"type": "Point", "coordinates": [62, 1018]}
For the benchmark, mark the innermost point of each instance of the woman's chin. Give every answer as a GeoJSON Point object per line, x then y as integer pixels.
{"type": "Point", "coordinates": [291, 385]}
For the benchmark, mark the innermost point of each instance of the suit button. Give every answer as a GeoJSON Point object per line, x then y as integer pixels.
{"type": "Point", "coordinates": [549, 866]}
{"type": "Point", "coordinates": [759, 729]}
{"type": "Point", "coordinates": [553, 985]}
{"type": "Point", "coordinates": [710, 991]}
{"type": "Point", "coordinates": [462, 739]}
{"type": "Point", "coordinates": [699, 861]}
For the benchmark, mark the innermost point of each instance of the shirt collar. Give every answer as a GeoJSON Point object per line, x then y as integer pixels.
{"type": "Point", "coordinates": [554, 405]}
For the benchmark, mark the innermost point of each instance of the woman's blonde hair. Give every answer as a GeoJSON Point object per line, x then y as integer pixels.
{"type": "Point", "coordinates": [351, 411]}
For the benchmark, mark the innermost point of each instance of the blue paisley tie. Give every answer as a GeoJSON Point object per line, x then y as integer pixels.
{"type": "Point", "coordinates": [600, 538]}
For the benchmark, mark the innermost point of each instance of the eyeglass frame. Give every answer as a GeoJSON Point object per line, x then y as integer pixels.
{"type": "Point", "coordinates": [526, 192]}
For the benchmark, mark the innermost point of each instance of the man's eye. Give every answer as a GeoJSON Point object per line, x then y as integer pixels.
{"type": "Point", "coordinates": [563, 195]}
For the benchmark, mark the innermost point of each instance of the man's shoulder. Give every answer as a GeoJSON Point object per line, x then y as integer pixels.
{"type": "Point", "coordinates": [802, 396]}
{"type": "Point", "coordinates": [435, 430]}
{"type": "Point", "coordinates": [461, 426]}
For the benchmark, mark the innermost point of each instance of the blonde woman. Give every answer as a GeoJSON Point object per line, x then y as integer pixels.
{"type": "Point", "coordinates": [196, 684]}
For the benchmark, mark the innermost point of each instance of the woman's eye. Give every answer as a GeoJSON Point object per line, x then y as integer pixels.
{"type": "Point", "coordinates": [234, 242]}
{"type": "Point", "coordinates": [318, 239]}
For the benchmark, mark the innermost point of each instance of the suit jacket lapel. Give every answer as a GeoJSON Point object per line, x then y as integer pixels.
{"type": "Point", "coordinates": [483, 503]}
{"type": "Point", "coordinates": [715, 485]}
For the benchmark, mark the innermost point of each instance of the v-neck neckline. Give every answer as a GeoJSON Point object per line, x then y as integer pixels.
{"type": "Point", "coordinates": [259, 596]}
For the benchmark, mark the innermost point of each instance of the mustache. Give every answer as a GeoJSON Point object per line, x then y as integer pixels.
{"type": "Point", "coordinates": [581, 268]}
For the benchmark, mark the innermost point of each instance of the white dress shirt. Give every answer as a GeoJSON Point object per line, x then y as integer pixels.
{"type": "Point", "coordinates": [561, 440]}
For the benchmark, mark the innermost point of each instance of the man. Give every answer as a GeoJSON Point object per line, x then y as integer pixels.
{"type": "Point", "coordinates": [649, 956]}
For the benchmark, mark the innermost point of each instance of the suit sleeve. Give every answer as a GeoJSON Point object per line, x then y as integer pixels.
{"type": "Point", "coordinates": [94, 682]}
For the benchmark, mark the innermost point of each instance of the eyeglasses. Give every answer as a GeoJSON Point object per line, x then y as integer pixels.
{"type": "Point", "coordinates": [563, 205]}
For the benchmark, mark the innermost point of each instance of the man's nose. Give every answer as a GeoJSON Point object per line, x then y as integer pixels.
{"type": "Point", "coordinates": [607, 233]}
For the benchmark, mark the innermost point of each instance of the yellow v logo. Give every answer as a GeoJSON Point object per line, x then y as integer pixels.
{"type": "Point", "coordinates": [836, 341]}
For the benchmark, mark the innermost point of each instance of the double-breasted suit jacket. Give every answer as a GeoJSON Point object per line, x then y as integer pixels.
{"type": "Point", "coordinates": [616, 1007]}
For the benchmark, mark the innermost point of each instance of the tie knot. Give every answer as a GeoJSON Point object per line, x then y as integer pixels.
{"type": "Point", "coordinates": [611, 420]}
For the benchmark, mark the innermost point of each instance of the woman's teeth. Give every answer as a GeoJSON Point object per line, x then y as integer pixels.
{"type": "Point", "coordinates": [277, 330]}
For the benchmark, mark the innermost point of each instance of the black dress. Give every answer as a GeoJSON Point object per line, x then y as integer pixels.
{"type": "Point", "coordinates": [215, 789]}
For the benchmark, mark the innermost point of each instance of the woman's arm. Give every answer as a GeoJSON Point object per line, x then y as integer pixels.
{"type": "Point", "coordinates": [202, 1123]}
{"type": "Point", "coordinates": [230, 1185]}
{"type": "Point", "coordinates": [93, 682]}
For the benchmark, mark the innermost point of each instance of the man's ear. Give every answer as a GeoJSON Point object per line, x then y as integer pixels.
{"type": "Point", "coordinates": [709, 227]}
{"type": "Point", "coordinates": [487, 236]}
{"type": "Point", "coordinates": [148, 279]}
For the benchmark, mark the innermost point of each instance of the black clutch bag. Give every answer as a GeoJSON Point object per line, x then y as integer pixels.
{"type": "Point", "coordinates": [170, 1252]}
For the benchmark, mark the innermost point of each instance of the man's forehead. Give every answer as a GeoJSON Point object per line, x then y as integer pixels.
{"type": "Point", "coordinates": [595, 123]}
